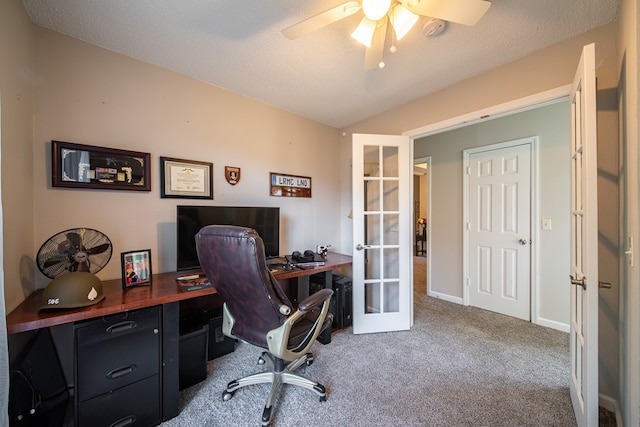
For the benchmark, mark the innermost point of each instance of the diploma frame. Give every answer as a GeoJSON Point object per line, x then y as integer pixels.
{"type": "Point", "coordinates": [88, 166]}
{"type": "Point", "coordinates": [185, 179]}
{"type": "Point", "coordinates": [136, 268]}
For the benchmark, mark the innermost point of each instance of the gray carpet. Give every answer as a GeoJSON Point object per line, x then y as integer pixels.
{"type": "Point", "coordinates": [457, 366]}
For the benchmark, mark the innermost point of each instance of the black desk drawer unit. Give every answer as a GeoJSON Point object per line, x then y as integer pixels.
{"type": "Point", "coordinates": [117, 369]}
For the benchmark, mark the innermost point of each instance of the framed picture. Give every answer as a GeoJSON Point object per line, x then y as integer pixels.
{"type": "Point", "coordinates": [86, 166]}
{"type": "Point", "coordinates": [186, 179]}
{"type": "Point", "coordinates": [284, 185]}
{"type": "Point", "coordinates": [136, 268]}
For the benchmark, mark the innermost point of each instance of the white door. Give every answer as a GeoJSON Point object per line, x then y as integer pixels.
{"type": "Point", "coordinates": [382, 233]}
{"type": "Point", "coordinates": [499, 228]}
{"type": "Point", "coordinates": [584, 243]}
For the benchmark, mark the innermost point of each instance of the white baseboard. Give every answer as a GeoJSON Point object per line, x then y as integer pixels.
{"type": "Point", "coordinates": [610, 404]}
{"type": "Point", "coordinates": [541, 321]}
{"type": "Point", "coordinates": [553, 324]}
{"type": "Point", "coordinates": [445, 297]}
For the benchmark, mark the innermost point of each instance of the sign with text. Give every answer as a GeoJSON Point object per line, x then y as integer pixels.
{"type": "Point", "coordinates": [283, 185]}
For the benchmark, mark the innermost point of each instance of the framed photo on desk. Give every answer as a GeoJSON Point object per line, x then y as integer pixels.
{"type": "Point", "coordinates": [136, 268]}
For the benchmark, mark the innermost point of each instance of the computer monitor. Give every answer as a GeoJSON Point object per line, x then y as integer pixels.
{"type": "Point", "coordinates": [190, 219]}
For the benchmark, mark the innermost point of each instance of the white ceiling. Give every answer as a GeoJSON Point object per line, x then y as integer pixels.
{"type": "Point", "coordinates": [238, 45]}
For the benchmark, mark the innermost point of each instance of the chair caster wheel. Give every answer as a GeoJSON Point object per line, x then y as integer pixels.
{"type": "Point", "coordinates": [266, 415]}
{"type": "Point", "coordinates": [226, 395]}
{"type": "Point", "coordinates": [323, 398]}
{"type": "Point", "coordinates": [310, 359]}
{"type": "Point", "coordinates": [261, 361]}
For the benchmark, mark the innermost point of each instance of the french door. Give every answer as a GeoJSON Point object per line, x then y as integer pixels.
{"type": "Point", "coordinates": [382, 233]}
{"type": "Point", "coordinates": [584, 243]}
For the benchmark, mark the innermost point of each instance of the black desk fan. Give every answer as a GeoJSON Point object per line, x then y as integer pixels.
{"type": "Point", "coordinates": [71, 258]}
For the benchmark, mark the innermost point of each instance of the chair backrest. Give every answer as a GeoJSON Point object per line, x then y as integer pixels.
{"type": "Point", "coordinates": [234, 261]}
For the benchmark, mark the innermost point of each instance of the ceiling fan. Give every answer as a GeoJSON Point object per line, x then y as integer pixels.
{"type": "Point", "coordinates": [401, 14]}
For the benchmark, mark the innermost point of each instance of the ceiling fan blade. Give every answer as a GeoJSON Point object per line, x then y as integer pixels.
{"type": "Point", "coordinates": [373, 55]}
{"type": "Point", "coordinates": [321, 20]}
{"type": "Point", "coordinates": [467, 12]}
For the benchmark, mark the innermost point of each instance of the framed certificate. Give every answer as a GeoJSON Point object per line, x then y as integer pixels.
{"type": "Point", "coordinates": [186, 179]}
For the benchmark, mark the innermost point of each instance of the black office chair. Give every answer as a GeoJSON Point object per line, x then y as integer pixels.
{"type": "Point", "coordinates": [256, 310]}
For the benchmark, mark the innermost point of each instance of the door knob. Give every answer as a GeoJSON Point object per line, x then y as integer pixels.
{"type": "Point", "coordinates": [522, 241]}
{"type": "Point", "coordinates": [582, 282]}
{"type": "Point", "coordinates": [360, 247]}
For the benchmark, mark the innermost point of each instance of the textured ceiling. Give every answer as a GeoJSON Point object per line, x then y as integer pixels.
{"type": "Point", "coordinates": [238, 45]}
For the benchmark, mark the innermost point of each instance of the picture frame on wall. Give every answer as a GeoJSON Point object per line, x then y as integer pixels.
{"type": "Point", "coordinates": [185, 179]}
{"type": "Point", "coordinates": [136, 268]}
{"type": "Point", "coordinates": [87, 166]}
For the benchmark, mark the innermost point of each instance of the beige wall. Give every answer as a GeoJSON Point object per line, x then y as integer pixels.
{"type": "Point", "coordinates": [17, 59]}
{"type": "Point", "coordinates": [89, 95]}
{"type": "Point", "coordinates": [93, 96]}
{"type": "Point", "coordinates": [627, 55]}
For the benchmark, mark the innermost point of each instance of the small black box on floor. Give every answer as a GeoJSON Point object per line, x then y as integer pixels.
{"type": "Point", "coordinates": [343, 290]}
{"type": "Point", "coordinates": [194, 342]}
{"type": "Point", "coordinates": [219, 344]}
{"type": "Point", "coordinates": [341, 305]}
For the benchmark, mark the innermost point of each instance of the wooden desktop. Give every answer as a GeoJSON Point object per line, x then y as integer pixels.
{"type": "Point", "coordinates": [165, 293]}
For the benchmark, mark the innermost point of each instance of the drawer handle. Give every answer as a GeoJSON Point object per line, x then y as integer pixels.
{"type": "Point", "coordinates": [122, 326]}
{"type": "Point", "coordinates": [126, 421]}
{"type": "Point", "coordinates": [118, 372]}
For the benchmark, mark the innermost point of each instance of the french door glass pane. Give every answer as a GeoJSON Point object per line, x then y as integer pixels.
{"type": "Point", "coordinates": [391, 263]}
{"type": "Point", "coordinates": [372, 297]}
{"type": "Point", "coordinates": [372, 230]}
{"type": "Point", "coordinates": [371, 160]}
{"type": "Point", "coordinates": [390, 155]}
{"type": "Point", "coordinates": [372, 195]}
{"type": "Point", "coordinates": [391, 297]}
{"type": "Point", "coordinates": [391, 236]}
{"type": "Point", "coordinates": [372, 264]}
{"type": "Point", "coordinates": [391, 195]}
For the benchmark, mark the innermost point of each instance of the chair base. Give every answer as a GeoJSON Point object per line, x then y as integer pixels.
{"type": "Point", "coordinates": [280, 372]}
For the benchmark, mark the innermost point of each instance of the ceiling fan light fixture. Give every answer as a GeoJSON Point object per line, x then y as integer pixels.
{"type": "Point", "coordinates": [364, 32]}
{"type": "Point", "coordinates": [402, 20]}
{"type": "Point", "coordinates": [375, 9]}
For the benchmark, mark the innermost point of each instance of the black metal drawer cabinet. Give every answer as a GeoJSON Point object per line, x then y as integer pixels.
{"type": "Point", "coordinates": [117, 370]}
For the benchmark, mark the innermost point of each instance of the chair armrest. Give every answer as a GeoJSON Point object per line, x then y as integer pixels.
{"type": "Point", "coordinates": [277, 339]}
{"type": "Point", "coordinates": [315, 300]}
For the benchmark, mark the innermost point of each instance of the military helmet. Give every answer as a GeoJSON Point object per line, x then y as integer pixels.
{"type": "Point", "coordinates": [73, 290]}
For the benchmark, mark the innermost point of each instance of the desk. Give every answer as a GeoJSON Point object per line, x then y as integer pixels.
{"type": "Point", "coordinates": [299, 277]}
{"type": "Point", "coordinates": [163, 292]}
